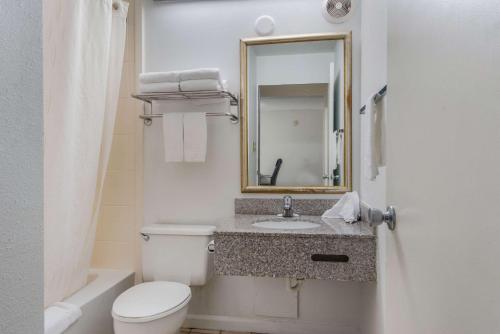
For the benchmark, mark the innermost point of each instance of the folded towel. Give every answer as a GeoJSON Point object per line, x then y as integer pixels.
{"type": "Point", "coordinates": [173, 141]}
{"type": "Point", "coordinates": [195, 136]}
{"type": "Point", "coordinates": [202, 84]}
{"type": "Point", "coordinates": [157, 77]}
{"type": "Point", "coordinates": [200, 73]}
{"type": "Point", "coordinates": [373, 154]}
{"type": "Point", "coordinates": [60, 316]}
{"type": "Point", "coordinates": [158, 87]}
{"type": "Point", "coordinates": [346, 208]}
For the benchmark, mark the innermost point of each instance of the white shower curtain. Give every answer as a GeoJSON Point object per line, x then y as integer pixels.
{"type": "Point", "coordinates": [84, 42]}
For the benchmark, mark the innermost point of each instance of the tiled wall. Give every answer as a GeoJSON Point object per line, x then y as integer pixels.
{"type": "Point", "coordinates": [117, 240]}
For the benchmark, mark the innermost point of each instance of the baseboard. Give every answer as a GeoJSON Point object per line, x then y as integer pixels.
{"type": "Point", "coordinates": [266, 325]}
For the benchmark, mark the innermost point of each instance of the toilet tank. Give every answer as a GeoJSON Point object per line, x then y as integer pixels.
{"type": "Point", "coordinates": [177, 253]}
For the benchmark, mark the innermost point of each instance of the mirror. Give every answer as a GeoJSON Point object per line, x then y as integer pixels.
{"type": "Point", "coordinates": [296, 114]}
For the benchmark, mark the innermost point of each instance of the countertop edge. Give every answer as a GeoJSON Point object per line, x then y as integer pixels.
{"type": "Point", "coordinates": [292, 235]}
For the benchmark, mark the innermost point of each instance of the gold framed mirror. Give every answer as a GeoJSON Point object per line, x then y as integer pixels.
{"type": "Point", "coordinates": [296, 114]}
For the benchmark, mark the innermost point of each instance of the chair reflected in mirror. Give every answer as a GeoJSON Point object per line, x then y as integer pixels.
{"type": "Point", "coordinates": [270, 180]}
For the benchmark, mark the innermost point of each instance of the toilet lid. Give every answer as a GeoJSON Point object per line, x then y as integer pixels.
{"type": "Point", "coordinates": [150, 301]}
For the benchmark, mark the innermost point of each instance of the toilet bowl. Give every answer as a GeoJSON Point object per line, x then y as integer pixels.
{"type": "Point", "coordinates": [151, 308]}
{"type": "Point", "coordinates": [174, 257]}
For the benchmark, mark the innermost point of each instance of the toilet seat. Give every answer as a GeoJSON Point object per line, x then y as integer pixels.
{"type": "Point", "coordinates": [150, 301]}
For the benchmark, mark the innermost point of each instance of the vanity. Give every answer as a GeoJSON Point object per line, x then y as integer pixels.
{"type": "Point", "coordinates": [265, 245]}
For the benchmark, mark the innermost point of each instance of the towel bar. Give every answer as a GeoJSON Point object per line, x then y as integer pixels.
{"type": "Point", "coordinates": [148, 118]}
{"type": "Point", "coordinates": [380, 94]}
{"type": "Point", "coordinates": [194, 95]}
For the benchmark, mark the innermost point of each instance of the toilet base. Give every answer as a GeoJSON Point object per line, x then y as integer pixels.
{"type": "Point", "coordinates": [169, 324]}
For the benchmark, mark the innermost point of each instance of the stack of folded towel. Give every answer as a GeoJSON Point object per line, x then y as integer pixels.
{"type": "Point", "coordinates": [185, 81]}
{"type": "Point", "coordinates": [200, 79]}
{"type": "Point", "coordinates": [158, 82]}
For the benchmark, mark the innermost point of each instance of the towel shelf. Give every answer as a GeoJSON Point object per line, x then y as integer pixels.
{"type": "Point", "coordinates": [194, 95]}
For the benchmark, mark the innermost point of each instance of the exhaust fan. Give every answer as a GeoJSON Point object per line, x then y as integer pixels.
{"type": "Point", "coordinates": [337, 11]}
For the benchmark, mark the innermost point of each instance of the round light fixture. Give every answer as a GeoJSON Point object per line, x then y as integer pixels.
{"type": "Point", "coordinates": [264, 25]}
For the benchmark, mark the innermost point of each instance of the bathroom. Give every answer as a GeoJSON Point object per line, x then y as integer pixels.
{"type": "Point", "coordinates": [249, 166]}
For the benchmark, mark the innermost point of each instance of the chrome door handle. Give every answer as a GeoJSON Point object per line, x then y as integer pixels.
{"type": "Point", "coordinates": [377, 217]}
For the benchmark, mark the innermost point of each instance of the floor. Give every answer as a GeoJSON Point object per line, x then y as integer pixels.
{"type": "Point", "coordinates": [210, 331]}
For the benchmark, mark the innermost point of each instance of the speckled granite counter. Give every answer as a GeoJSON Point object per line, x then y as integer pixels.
{"type": "Point", "coordinates": [335, 250]}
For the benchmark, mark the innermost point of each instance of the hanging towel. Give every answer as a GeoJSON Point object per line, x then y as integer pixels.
{"type": "Point", "coordinates": [158, 87]}
{"type": "Point", "coordinates": [373, 155]}
{"type": "Point", "coordinates": [157, 77]}
{"type": "Point", "coordinates": [346, 208]}
{"type": "Point", "coordinates": [200, 74]}
{"type": "Point", "coordinates": [173, 140]}
{"type": "Point", "coordinates": [340, 150]}
{"type": "Point", "coordinates": [195, 136]}
{"type": "Point", "coordinates": [60, 316]}
{"type": "Point", "coordinates": [334, 150]}
{"type": "Point", "coordinates": [202, 84]}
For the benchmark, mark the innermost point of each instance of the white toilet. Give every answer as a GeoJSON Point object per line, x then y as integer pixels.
{"type": "Point", "coordinates": [174, 256]}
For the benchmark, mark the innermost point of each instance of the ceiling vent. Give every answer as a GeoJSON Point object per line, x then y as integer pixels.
{"type": "Point", "coordinates": [337, 11]}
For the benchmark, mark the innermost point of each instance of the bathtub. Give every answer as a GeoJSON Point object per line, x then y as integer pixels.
{"type": "Point", "coordinates": [96, 299]}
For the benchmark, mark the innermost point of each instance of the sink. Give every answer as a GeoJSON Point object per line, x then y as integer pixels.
{"type": "Point", "coordinates": [286, 224]}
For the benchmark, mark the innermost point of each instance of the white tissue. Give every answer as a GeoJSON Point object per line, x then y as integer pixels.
{"type": "Point", "coordinates": [346, 208]}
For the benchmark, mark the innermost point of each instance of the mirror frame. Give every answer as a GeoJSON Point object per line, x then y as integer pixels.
{"type": "Point", "coordinates": [347, 177]}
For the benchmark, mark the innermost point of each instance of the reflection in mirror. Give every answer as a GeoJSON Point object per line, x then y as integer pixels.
{"type": "Point", "coordinates": [293, 139]}
{"type": "Point", "coordinates": [296, 115]}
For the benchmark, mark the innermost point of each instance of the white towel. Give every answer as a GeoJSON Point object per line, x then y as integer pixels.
{"type": "Point", "coordinates": [373, 155]}
{"type": "Point", "coordinates": [346, 208]}
{"type": "Point", "coordinates": [200, 73]}
{"type": "Point", "coordinates": [157, 77]}
{"type": "Point", "coordinates": [334, 150]}
{"type": "Point", "coordinates": [195, 136]}
{"type": "Point", "coordinates": [202, 84]}
{"type": "Point", "coordinates": [158, 87]}
{"type": "Point", "coordinates": [60, 316]}
{"type": "Point", "coordinates": [173, 140]}
{"type": "Point", "coordinates": [340, 150]}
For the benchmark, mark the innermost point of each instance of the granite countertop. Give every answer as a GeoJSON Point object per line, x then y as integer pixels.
{"type": "Point", "coordinates": [241, 224]}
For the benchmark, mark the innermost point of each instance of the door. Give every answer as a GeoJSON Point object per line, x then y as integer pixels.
{"type": "Point", "coordinates": [443, 167]}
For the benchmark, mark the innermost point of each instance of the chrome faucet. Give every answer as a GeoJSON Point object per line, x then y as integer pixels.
{"type": "Point", "coordinates": [288, 207]}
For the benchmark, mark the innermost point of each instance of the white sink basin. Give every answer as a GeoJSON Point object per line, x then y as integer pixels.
{"type": "Point", "coordinates": [286, 224]}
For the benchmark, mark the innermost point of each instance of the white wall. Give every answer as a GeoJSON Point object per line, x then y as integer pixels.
{"type": "Point", "coordinates": [373, 78]}
{"type": "Point", "coordinates": [206, 33]}
{"type": "Point", "coordinates": [373, 193]}
{"type": "Point", "coordinates": [21, 168]}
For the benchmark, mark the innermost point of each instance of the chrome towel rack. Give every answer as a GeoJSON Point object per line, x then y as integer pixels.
{"type": "Point", "coordinates": [376, 99]}
{"type": "Point", "coordinates": [191, 95]}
